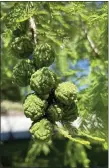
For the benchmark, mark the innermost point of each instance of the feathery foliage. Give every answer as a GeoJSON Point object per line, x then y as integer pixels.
{"type": "Point", "coordinates": [77, 31]}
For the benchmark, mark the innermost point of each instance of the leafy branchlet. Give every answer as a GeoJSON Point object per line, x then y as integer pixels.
{"type": "Point", "coordinates": [53, 101]}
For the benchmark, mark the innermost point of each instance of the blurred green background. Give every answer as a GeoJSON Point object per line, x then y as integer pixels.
{"type": "Point", "coordinates": [78, 33]}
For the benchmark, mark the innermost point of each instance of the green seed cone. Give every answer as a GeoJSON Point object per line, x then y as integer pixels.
{"type": "Point", "coordinates": [34, 107]}
{"type": "Point", "coordinates": [43, 55]}
{"type": "Point", "coordinates": [22, 72]}
{"type": "Point", "coordinates": [18, 13]}
{"type": "Point", "coordinates": [22, 29]}
{"type": "Point", "coordinates": [70, 113]}
{"type": "Point", "coordinates": [66, 93]}
{"type": "Point", "coordinates": [55, 113]}
{"type": "Point", "coordinates": [22, 47]}
{"type": "Point", "coordinates": [43, 81]}
{"type": "Point", "coordinates": [42, 130]}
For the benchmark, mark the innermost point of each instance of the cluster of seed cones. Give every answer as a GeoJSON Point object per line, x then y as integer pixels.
{"type": "Point", "coordinates": [52, 100]}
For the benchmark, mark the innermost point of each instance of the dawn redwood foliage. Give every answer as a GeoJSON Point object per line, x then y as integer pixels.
{"type": "Point", "coordinates": [46, 41]}
{"type": "Point", "coordinates": [36, 51]}
{"type": "Point", "coordinates": [52, 99]}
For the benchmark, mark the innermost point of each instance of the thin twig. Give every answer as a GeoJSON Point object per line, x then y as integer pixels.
{"type": "Point", "coordinates": [32, 27]}
{"type": "Point", "coordinates": [94, 48]}
{"type": "Point", "coordinates": [92, 45]}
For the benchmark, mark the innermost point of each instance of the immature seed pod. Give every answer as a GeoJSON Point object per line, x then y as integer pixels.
{"type": "Point", "coordinates": [42, 130]}
{"type": "Point", "coordinates": [55, 113]}
{"type": "Point", "coordinates": [34, 107]}
{"type": "Point", "coordinates": [43, 55]}
{"type": "Point", "coordinates": [22, 72]}
{"type": "Point", "coordinates": [43, 81]}
{"type": "Point", "coordinates": [22, 29]}
{"type": "Point", "coordinates": [70, 113]}
{"type": "Point", "coordinates": [66, 93]}
{"type": "Point", "coordinates": [18, 13]}
{"type": "Point", "coordinates": [22, 47]}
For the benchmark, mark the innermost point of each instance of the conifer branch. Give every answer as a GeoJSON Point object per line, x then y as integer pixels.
{"type": "Point", "coordinates": [91, 137]}
{"type": "Point", "coordinates": [92, 45]}
{"type": "Point", "coordinates": [66, 134]}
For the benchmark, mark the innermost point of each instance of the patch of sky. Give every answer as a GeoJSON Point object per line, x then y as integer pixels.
{"type": "Point", "coordinates": [83, 68]}
{"type": "Point", "coordinates": [82, 65]}
{"type": "Point", "coordinates": [31, 57]}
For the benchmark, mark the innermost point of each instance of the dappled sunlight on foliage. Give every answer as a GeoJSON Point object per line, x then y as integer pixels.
{"type": "Point", "coordinates": [78, 53]}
